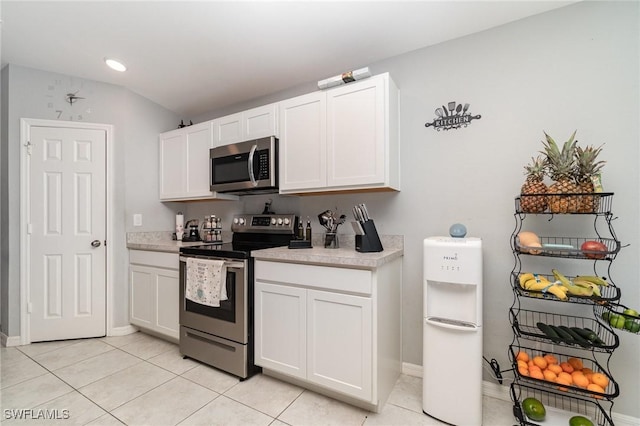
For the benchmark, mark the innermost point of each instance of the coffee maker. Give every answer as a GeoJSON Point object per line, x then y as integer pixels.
{"type": "Point", "coordinates": [192, 233]}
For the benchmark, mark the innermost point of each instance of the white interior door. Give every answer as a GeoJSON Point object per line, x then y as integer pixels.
{"type": "Point", "coordinates": [66, 233]}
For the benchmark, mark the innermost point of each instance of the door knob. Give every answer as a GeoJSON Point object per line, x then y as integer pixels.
{"type": "Point", "coordinates": [95, 243]}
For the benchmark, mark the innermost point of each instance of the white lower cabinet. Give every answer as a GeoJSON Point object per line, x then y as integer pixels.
{"type": "Point", "coordinates": [328, 327]}
{"type": "Point", "coordinates": [339, 342]}
{"type": "Point", "coordinates": [154, 292]}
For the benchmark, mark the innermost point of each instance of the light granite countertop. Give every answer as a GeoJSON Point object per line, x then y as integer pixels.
{"type": "Point", "coordinates": [345, 256]}
{"type": "Point", "coordinates": [159, 241]}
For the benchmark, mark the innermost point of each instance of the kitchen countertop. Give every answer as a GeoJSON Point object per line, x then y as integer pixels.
{"type": "Point", "coordinates": [158, 241]}
{"type": "Point", "coordinates": [345, 256]}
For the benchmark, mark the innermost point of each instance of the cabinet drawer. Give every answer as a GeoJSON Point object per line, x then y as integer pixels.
{"type": "Point", "coordinates": [154, 258]}
{"type": "Point", "coordinates": [312, 276]}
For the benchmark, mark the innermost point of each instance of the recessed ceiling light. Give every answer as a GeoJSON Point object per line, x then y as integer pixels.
{"type": "Point", "coordinates": [115, 64]}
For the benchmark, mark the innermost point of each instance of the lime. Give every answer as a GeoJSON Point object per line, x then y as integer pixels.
{"type": "Point", "coordinates": [534, 409]}
{"type": "Point", "coordinates": [632, 325]}
{"type": "Point", "coordinates": [580, 421]}
{"type": "Point", "coordinates": [616, 321]}
{"type": "Point", "coordinates": [606, 315]}
{"type": "Point", "coordinates": [631, 313]}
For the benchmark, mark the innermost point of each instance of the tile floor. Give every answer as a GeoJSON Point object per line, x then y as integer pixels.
{"type": "Point", "coordinates": [140, 380]}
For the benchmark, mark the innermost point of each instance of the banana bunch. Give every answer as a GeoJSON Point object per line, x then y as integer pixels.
{"type": "Point", "coordinates": [584, 285]}
{"type": "Point", "coordinates": [534, 282]}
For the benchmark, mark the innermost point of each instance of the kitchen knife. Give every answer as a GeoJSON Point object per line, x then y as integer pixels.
{"type": "Point", "coordinates": [357, 228]}
{"type": "Point", "coordinates": [365, 211]}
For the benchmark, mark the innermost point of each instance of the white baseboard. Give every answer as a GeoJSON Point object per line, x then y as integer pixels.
{"type": "Point", "coordinates": [501, 392]}
{"type": "Point", "coordinates": [122, 331]}
{"type": "Point", "coordinates": [8, 341]}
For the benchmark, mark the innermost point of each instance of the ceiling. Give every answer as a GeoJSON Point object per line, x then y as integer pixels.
{"type": "Point", "coordinates": [195, 57]}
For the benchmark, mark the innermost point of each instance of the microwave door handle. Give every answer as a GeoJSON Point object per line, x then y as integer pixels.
{"type": "Point", "coordinates": [251, 175]}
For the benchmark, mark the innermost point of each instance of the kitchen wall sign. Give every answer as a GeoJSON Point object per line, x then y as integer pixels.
{"type": "Point", "coordinates": [452, 116]}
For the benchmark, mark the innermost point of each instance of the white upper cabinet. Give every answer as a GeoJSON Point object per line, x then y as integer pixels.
{"type": "Point", "coordinates": [184, 164]}
{"type": "Point", "coordinates": [246, 125]}
{"type": "Point", "coordinates": [345, 138]}
{"type": "Point", "coordinates": [303, 142]}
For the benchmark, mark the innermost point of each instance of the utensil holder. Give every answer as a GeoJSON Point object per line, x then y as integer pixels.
{"type": "Point", "coordinates": [331, 240]}
{"type": "Point", "coordinates": [370, 241]}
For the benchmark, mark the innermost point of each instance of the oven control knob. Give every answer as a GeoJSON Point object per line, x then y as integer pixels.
{"type": "Point", "coordinates": [279, 221]}
{"type": "Point", "coordinates": [287, 221]}
{"type": "Point", "coordinates": [273, 220]}
{"type": "Point", "coordinates": [235, 220]}
{"type": "Point", "coordinates": [241, 220]}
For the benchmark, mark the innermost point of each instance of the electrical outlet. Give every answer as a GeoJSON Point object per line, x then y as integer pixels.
{"type": "Point", "coordinates": [137, 219]}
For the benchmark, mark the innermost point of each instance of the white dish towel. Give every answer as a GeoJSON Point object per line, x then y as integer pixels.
{"type": "Point", "coordinates": [206, 281]}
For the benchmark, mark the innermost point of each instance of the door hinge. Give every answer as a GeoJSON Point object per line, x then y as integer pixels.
{"type": "Point", "coordinates": [29, 228]}
{"type": "Point", "coordinates": [28, 146]}
{"type": "Point", "coordinates": [29, 307]}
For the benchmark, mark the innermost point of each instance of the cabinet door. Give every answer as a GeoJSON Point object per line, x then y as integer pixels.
{"type": "Point", "coordinates": [167, 299]}
{"type": "Point", "coordinates": [173, 165]}
{"type": "Point", "coordinates": [339, 342]}
{"type": "Point", "coordinates": [260, 122]}
{"type": "Point", "coordinates": [141, 283]}
{"type": "Point", "coordinates": [280, 321]}
{"type": "Point", "coordinates": [199, 141]}
{"type": "Point", "coordinates": [303, 137]}
{"type": "Point", "coordinates": [227, 129]}
{"type": "Point", "coordinates": [356, 134]}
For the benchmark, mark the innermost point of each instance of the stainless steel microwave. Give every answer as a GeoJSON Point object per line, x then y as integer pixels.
{"type": "Point", "coordinates": [245, 167]}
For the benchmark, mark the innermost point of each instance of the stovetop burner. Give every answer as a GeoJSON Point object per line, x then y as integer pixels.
{"type": "Point", "coordinates": [250, 232]}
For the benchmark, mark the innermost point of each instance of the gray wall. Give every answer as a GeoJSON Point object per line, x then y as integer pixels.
{"type": "Point", "coordinates": [573, 68]}
{"type": "Point", "coordinates": [29, 93]}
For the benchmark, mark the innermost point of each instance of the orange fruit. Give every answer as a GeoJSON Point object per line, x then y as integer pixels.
{"type": "Point", "coordinates": [550, 359]}
{"type": "Point", "coordinates": [536, 374]}
{"type": "Point", "coordinates": [586, 371]}
{"type": "Point", "coordinates": [566, 367]}
{"type": "Point", "coordinates": [565, 377]}
{"type": "Point", "coordinates": [521, 355]}
{"type": "Point", "coordinates": [523, 371]}
{"type": "Point", "coordinates": [600, 380]}
{"type": "Point", "coordinates": [530, 363]}
{"type": "Point", "coordinates": [563, 383]}
{"type": "Point", "coordinates": [575, 363]}
{"type": "Point", "coordinates": [555, 368]}
{"type": "Point", "coordinates": [595, 388]}
{"type": "Point", "coordinates": [580, 380]}
{"type": "Point", "coordinates": [535, 368]}
{"type": "Point", "coordinates": [540, 362]}
{"type": "Point", "coordinates": [522, 364]}
{"type": "Point", "coordinates": [549, 375]}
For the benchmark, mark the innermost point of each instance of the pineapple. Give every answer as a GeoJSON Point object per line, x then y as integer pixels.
{"type": "Point", "coordinates": [587, 166]}
{"type": "Point", "coordinates": [530, 203]}
{"type": "Point", "coordinates": [561, 165]}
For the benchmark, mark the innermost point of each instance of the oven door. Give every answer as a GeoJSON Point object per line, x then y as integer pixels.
{"type": "Point", "coordinates": [230, 320]}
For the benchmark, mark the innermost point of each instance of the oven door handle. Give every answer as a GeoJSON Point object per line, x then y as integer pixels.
{"type": "Point", "coordinates": [251, 175]}
{"type": "Point", "coordinates": [238, 265]}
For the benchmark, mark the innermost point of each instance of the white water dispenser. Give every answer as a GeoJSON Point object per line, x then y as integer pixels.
{"type": "Point", "coordinates": [452, 335]}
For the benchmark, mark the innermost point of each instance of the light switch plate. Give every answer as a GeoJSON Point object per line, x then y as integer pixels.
{"type": "Point", "coordinates": [137, 219]}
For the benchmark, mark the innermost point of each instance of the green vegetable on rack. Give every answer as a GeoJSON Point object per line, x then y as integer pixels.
{"type": "Point", "coordinates": [549, 332]}
{"type": "Point", "coordinates": [576, 337]}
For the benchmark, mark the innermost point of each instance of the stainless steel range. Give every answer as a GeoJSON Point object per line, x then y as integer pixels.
{"type": "Point", "coordinates": [219, 332]}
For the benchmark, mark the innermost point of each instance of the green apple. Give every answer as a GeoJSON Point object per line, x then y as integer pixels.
{"type": "Point", "coordinates": [631, 313]}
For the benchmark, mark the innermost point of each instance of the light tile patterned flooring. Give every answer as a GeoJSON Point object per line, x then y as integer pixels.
{"type": "Point", "coordinates": [140, 380]}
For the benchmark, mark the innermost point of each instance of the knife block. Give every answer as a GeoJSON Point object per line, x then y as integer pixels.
{"type": "Point", "coordinates": [370, 241]}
